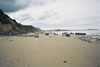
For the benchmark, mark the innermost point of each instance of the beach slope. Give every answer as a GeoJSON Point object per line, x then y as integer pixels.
{"type": "Point", "coordinates": [45, 51]}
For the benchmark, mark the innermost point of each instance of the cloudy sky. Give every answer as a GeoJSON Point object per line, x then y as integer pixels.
{"type": "Point", "coordinates": [53, 14]}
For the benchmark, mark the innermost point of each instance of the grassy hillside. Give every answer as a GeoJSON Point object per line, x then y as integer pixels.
{"type": "Point", "coordinates": [9, 25]}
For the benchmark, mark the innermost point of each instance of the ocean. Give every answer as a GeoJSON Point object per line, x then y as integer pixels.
{"type": "Point", "coordinates": [88, 32]}
{"type": "Point", "coordinates": [93, 36]}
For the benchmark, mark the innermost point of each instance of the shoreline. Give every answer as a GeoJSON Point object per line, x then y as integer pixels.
{"type": "Point", "coordinates": [95, 39]}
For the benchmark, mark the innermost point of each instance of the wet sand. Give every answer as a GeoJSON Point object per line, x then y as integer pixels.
{"type": "Point", "coordinates": [45, 51]}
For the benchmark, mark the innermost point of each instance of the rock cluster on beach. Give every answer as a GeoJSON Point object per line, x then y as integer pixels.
{"type": "Point", "coordinates": [90, 38]}
{"type": "Point", "coordinates": [10, 26]}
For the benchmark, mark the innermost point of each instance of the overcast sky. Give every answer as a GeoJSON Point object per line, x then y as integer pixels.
{"type": "Point", "coordinates": [53, 14]}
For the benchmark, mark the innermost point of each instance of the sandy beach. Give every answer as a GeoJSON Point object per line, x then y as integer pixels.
{"type": "Point", "coordinates": [46, 51]}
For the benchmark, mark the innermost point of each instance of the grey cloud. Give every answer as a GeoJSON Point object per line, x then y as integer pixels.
{"type": "Point", "coordinates": [12, 5]}
{"type": "Point", "coordinates": [88, 17]}
{"type": "Point", "coordinates": [41, 2]}
{"type": "Point", "coordinates": [45, 25]}
{"type": "Point", "coordinates": [43, 17]}
{"type": "Point", "coordinates": [25, 18]}
{"type": "Point", "coordinates": [49, 15]}
{"type": "Point", "coordinates": [15, 5]}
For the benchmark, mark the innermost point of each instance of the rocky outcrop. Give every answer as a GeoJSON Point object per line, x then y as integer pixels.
{"type": "Point", "coordinates": [8, 25]}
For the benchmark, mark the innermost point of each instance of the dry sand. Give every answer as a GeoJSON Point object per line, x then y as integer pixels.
{"type": "Point", "coordinates": [45, 51]}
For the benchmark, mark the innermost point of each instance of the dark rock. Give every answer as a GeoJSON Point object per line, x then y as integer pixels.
{"type": "Point", "coordinates": [80, 33]}
{"type": "Point", "coordinates": [66, 34]}
{"type": "Point", "coordinates": [65, 61]}
{"type": "Point", "coordinates": [46, 33]}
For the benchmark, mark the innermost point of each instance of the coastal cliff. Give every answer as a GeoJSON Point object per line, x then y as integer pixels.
{"type": "Point", "coordinates": [9, 25]}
